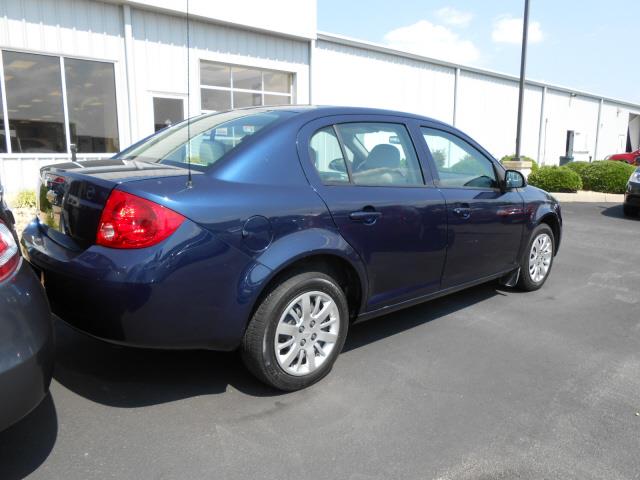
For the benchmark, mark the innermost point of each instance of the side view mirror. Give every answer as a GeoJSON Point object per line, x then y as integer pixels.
{"type": "Point", "coordinates": [514, 179]}
{"type": "Point", "coordinates": [636, 161]}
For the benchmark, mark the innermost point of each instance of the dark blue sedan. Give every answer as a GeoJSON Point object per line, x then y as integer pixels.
{"type": "Point", "coordinates": [273, 229]}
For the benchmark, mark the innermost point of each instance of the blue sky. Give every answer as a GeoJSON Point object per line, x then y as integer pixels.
{"type": "Point", "coordinates": [588, 45]}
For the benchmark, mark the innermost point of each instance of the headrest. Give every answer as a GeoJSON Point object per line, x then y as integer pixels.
{"type": "Point", "coordinates": [211, 152]}
{"type": "Point", "coordinates": [383, 156]}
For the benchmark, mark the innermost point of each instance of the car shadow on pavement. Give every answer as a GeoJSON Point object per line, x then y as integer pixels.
{"type": "Point", "coordinates": [617, 212]}
{"type": "Point", "coordinates": [27, 444]}
{"type": "Point", "coordinates": [388, 325]}
{"type": "Point", "coordinates": [128, 377]}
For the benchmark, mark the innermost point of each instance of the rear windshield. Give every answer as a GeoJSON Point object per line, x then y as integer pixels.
{"type": "Point", "coordinates": [212, 137]}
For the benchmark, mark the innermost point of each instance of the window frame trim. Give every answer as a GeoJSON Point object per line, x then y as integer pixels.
{"type": "Point", "coordinates": [436, 173]}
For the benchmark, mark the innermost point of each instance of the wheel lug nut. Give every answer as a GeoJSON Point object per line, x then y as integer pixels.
{"type": "Point", "coordinates": [313, 337]}
{"type": "Point", "coordinates": [312, 323]}
{"type": "Point", "coordinates": [301, 329]}
{"type": "Point", "coordinates": [302, 342]}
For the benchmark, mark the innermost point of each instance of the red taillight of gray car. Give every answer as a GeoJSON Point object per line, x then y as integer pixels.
{"type": "Point", "coordinates": [129, 221]}
{"type": "Point", "coordinates": [9, 256]}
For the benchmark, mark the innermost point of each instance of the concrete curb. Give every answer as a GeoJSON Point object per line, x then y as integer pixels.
{"type": "Point", "coordinates": [584, 196]}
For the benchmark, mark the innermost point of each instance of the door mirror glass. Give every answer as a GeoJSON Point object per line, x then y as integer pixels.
{"type": "Point", "coordinates": [514, 179]}
{"type": "Point", "coordinates": [636, 161]}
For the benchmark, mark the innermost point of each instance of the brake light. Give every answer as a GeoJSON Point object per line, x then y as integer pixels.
{"type": "Point", "coordinates": [9, 257]}
{"type": "Point", "coordinates": [129, 221]}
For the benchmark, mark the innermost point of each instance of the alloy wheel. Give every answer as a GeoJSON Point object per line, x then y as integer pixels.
{"type": "Point", "coordinates": [540, 257]}
{"type": "Point", "coordinates": [307, 333]}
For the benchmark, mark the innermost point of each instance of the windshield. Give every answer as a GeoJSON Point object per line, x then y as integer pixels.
{"type": "Point", "coordinates": [212, 137]}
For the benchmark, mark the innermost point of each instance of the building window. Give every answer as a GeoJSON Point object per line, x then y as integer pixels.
{"type": "Point", "coordinates": [167, 111]}
{"type": "Point", "coordinates": [225, 87]}
{"type": "Point", "coordinates": [34, 103]}
{"type": "Point", "coordinates": [91, 96]}
{"type": "Point", "coordinates": [35, 91]}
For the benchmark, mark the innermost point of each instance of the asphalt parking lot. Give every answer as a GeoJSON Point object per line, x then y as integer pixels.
{"type": "Point", "coordinates": [485, 384]}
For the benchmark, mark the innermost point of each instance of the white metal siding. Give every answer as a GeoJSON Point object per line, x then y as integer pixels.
{"type": "Point", "coordinates": [564, 112]}
{"type": "Point", "coordinates": [488, 110]}
{"type": "Point", "coordinates": [73, 28]}
{"type": "Point", "coordinates": [344, 75]}
{"type": "Point", "coordinates": [160, 57]}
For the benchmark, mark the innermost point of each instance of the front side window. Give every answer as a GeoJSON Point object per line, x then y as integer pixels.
{"type": "Point", "coordinates": [202, 141]}
{"type": "Point", "coordinates": [326, 156]}
{"type": "Point", "coordinates": [34, 103]}
{"type": "Point", "coordinates": [225, 87]}
{"type": "Point", "coordinates": [380, 154]}
{"type": "Point", "coordinates": [91, 99]}
{"type": "Point", "coordinates": [458, 163]}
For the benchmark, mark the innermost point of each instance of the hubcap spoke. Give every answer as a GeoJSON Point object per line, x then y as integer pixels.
{"type": "Point", "coordinates": [327, 337]}
{"type": "Point", "coordinates": [287, 329]}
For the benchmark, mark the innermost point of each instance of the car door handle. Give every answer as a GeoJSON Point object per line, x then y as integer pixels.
{"type": "Point", "coordinates": [463, 211]}
{"type": "Point", "coordinates": [365, 216]}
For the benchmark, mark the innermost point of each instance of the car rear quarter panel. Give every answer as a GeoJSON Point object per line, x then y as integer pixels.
{"type": "Point", "coordinates": [259, 203]}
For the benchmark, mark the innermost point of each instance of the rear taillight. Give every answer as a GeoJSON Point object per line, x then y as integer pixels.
{"type": "Point", "coordinates": [129, 221]}
{"type": "Point", "coordinates": [9, 256]}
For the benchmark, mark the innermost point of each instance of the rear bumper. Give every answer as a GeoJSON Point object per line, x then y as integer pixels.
{"type": "Point", "coordinates": [190, 291]}
{"type": "Point", "coordinates": [26, 346]}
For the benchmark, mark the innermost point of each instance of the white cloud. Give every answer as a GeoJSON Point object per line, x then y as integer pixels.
{"type": "Point", "coordinates": [431, 40]}
{"type": "Point", "coordinates": [507, 29]}
{"type": "Point", "coordinates": [454, 17]}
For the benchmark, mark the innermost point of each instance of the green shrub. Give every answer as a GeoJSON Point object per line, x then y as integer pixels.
{"type": "Point", "coordinates": [439, 157]}
{"type": "Point", "coordinates": [578, 167]}
{"type": "Point", "coordinates": [555, 179]}
{"type": "Point", "coordinates": [24, 199]}
{"type": "Point", "coordinates": [467, 165]}
{"type": "Point", "coordinates": [511, 158]}
{"type": "Point", "coordinates": [607, 176]}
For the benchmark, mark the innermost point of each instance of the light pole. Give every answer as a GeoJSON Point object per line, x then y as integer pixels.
{"type": "Point", "coordinates": [523, 66]}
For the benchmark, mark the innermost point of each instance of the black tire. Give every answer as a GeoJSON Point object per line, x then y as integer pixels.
{"type": "Point", "coordinates": [526, 282]}
{"type": "Point", "coordinates": [629, 210]}
{"type": "Point", "coordinates": [258, 345]}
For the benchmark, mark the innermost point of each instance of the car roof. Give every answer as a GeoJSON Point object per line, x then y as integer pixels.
{"type": "Point", "coordinates": [319, 111]}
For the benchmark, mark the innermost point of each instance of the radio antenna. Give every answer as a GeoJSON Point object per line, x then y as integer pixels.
{"type": "Point", "coordinates": [189, 181]}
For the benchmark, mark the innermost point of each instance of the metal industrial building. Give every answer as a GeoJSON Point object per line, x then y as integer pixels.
{"type": "Point", "coordinates": [102, 75]}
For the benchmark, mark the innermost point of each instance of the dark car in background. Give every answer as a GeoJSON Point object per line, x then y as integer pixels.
{"type": "Point", "coordinates": [26, 332]}
{"type": "Point", "coordinates": [631, 204]}
{"type": "Point", "coordinates": [273, 229]}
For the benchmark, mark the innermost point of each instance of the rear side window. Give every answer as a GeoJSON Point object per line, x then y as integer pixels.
{"type": "Point", "coordinates": [458, 163]}
{"type": "Point", "coordinates": [326, 156]}
{"type": "Point", "coordinates": [377, 154]}
{"type": "Point", "coordinates": [383, 154]}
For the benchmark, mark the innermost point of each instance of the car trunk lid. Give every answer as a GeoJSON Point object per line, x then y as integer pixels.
{"type": "Point", "coordinates": [72, 195]}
